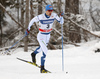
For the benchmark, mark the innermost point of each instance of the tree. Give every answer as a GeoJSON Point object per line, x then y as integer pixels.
{"type": "Point", "coordinates": [26, 25]}
{"type": "Point", "coordinates": [22, 12]}
{"type": "Point", "coordinates": [3, 2]}
{"type": "Point", "coordinates": [39, 6]}
{"type": "Point", "coordinates": [0, 28]}
{"type": "Point", "coordinates": [72, 6]}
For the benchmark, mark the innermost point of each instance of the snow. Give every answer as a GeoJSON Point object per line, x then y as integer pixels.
{"type": "Point", "coordinates": [80, 63]}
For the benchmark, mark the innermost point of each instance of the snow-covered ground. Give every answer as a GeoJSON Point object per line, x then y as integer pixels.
{"type": "Point", "coordinates": [80, 63]}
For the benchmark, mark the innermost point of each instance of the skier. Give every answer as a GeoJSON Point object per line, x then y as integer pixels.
{"type": "Point", "coordinates": [45, 27]}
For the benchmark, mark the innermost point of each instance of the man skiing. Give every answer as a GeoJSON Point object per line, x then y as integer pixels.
{"type": "Point", "coordinates": [45, 27]}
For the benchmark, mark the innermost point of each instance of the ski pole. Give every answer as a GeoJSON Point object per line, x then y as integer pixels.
{"type": "Point", "coordinates": [62, 46]}
{"type": "Point", "coordinates": [14, 44]}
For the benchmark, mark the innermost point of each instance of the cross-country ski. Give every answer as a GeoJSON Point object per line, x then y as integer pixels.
{"type": "Point", "coordinates": [32, 63]}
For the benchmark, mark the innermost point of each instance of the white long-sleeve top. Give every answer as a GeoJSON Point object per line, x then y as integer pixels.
{"type": "Point", "coordinates": [45, 23]}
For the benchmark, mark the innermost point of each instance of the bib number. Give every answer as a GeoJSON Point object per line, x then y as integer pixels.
{"type": "Point", "coordinates": [48, 25]}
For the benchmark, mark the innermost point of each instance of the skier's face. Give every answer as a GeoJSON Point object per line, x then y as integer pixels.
{"type": "Point", "coordinates": [48, 12]}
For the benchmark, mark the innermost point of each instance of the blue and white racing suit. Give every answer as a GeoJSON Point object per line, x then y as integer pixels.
{"type": "Point", "coordinates": [45, 27]}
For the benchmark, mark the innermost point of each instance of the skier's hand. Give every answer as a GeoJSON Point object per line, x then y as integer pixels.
{"type": "Point", "coordinates": [61, 13]}
{"type": "Point", "coordinates": [27, 32]}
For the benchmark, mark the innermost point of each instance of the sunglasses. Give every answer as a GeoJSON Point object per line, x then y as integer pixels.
{"type": "Point", "coordinates": [50, 10]}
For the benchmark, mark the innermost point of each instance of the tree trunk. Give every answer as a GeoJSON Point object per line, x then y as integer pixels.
{"type": "Point", "coordinates": [31, 10]}
{"type": "Point", "coordinates": [59, 5]}
{"type": "Point", "coordinates": [2, 2]}
{"type": "Point", "coordinates": [26, 25]}
{"type": "Point", "coordinates": [18, 10]}
{"type": "Point", "coordinates": [1, 30]}
{"type": "Point", "coordinates": [72, 6]}
{"type": "Point", "coordinates": [39, 7]}
{"type": "Point", "coordinates": [22, 13]}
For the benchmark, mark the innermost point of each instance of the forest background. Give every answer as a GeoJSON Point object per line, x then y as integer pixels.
{"type": "Point", "coordinates": [81, 22]}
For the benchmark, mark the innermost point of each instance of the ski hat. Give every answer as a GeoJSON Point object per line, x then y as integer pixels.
{"type": "Point", "coordinates": [48, 7]}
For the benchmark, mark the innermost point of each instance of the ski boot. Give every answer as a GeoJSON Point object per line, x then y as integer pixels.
{"type": "Point", "coordinates": [33, 57]}
{"type": "Point", "coordinates": [43, 70]}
